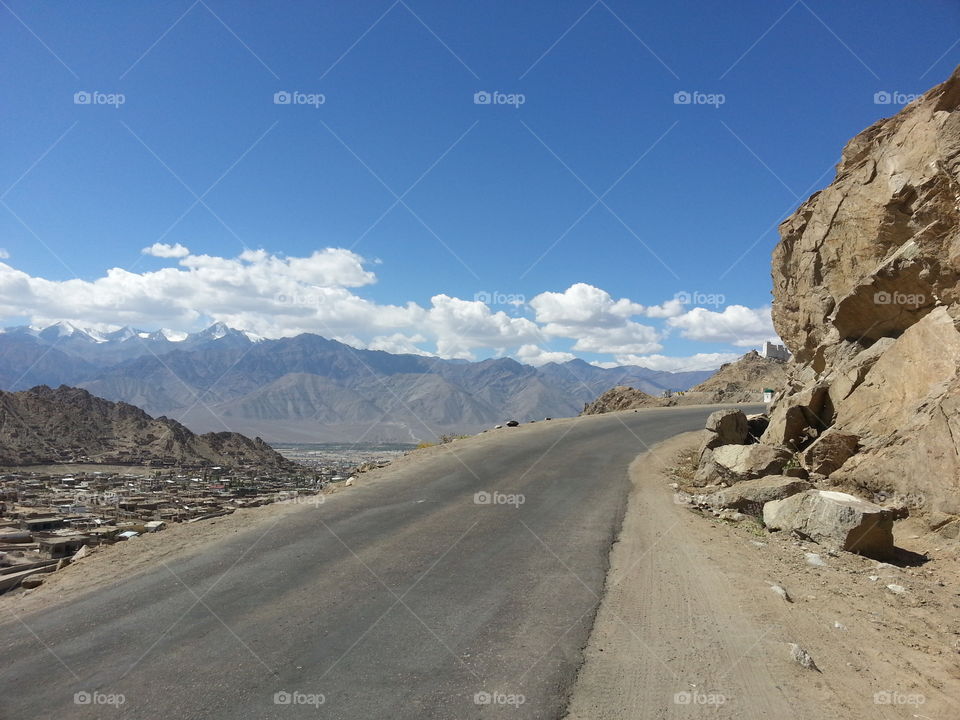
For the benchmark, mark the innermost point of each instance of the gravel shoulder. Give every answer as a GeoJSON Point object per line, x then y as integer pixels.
{"type": "Point", "coordinates": [688, 624]}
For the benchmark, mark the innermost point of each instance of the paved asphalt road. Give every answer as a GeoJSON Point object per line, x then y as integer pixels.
{"type": "Point", "coordinates": [401, 598]}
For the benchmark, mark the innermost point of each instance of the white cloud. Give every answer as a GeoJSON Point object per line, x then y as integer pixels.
{"type": "Point", "coordinates": [264, 293]}
{"type": "Point", "coordinates": [270, 295]}
{"type": "Point", "coordinates": [4, 254]}
{"type": "Point", "coordinates": [583, 304]}
{"type": "Point", "coordinates": [464, 325]}
{"type": "Point", "coordinates": [597, 322]}
{"type": "Point", "coordinates": [537, 356]}
{"type": "Point", "coordinates": [668, 309]}
{"type": "Point", "coordinates": [163, 250]}
{"type": "Point", "coordinates": [630, 337]}
{"type": "Point", "coordinates": [700, 361]}
{"type": "Point", "coordinates": [280, 296]}
{"type": "Point", "coordinates": [398, 343]}
{"type": "Point", "coordinates": [737, 325]}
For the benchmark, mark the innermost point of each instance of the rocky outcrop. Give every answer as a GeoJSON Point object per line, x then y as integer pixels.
{"type": "Point", "coordinates": [64, 425]}
{"type": "Point", "coordinates": [836, 520]}
{"type": "Point", "coordinates": [729, 450]}
{"type": "Point", "coordinates": [866, 283]}
{"type": "Point", "coordinates": [741, 381]}
{"type": "Point", "coordinates": [875, 251]}
{"type": "Point", "coordinates": [621, 398]}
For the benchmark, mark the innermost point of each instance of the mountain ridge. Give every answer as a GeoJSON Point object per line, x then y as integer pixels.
{"type": "Point", "coordinates": [221, 377]}
{"type": "Point", "coordinates": [45, 425]}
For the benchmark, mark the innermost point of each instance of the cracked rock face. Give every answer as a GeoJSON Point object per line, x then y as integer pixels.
{"type": "Point", "coordinates": [866, 283]}
{"type": "Point", "coordinates": [879, 248]}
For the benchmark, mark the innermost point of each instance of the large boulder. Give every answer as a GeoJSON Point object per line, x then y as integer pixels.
{"type": "Point", "coordinates": [799, 418]}
{"type": "Point", "coordinates": [727, 427]}
{"type": "Point", "coordinates": [907, 414]}
{"type": "Point", "coordinates": [750, 496]}
{"type": "Point", "coordinates": [836, 520]}
{"type": "Point", "coordinates": [735, 463]}
{"type": "Point", "coordinates": [829, 452]}
{"type": "Point", "coordinates": [724, 427]}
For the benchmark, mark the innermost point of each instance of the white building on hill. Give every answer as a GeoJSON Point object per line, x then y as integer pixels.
{"type": "Point", "coordinates": [777, 352]}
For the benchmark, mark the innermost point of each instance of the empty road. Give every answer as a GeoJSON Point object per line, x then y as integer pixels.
{"type": "Point", "coordinates": [463, 585]}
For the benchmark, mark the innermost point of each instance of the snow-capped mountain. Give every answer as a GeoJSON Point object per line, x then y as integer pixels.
{"type": "Point", "coordinates": [106, 347]}
{"type": "Point", "coordinates": [305, 388]}
{"type": "Point", "coordinates": [61, 330]}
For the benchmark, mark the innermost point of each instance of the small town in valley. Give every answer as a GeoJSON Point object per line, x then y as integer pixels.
{"type": "Point", "coordinates": [50, 515]}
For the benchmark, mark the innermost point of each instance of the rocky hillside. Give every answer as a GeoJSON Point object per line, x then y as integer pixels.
{"type": "Point", "coordinates": [866, 283]}
{"type": "Point", "coordinates": [43, 425]}
{"type": "Point", "coordinates": [743, 380]}
{"type": "Point", "coordinates": [621, 397]}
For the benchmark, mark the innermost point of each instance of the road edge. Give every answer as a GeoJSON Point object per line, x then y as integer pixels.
{"type": "Point", "coordinates": [661, 453]}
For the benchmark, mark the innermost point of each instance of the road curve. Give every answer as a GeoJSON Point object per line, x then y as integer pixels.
{"type": "Point", "coordinates": [403, 597]}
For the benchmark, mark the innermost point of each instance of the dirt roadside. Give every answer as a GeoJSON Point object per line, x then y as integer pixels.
{"type": "Point", "coordinates": [689, 626]}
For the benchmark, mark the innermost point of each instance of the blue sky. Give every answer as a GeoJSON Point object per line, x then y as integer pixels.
{"type": "Point", "coordinates": [599, 181]}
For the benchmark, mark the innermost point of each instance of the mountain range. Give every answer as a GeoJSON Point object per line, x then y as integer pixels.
{"type": "Point", "coordinates": [306, 388]}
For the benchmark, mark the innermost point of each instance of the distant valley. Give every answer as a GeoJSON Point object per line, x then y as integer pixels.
{"type": "Point", "coordinates": [307, 388]}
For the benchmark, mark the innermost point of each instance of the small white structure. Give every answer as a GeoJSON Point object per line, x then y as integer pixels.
{"type": "Point", "coordinates": [774, 351]}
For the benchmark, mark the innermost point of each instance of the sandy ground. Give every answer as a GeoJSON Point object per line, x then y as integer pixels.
{"type": "Point", "coordinates": [690, 627]}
